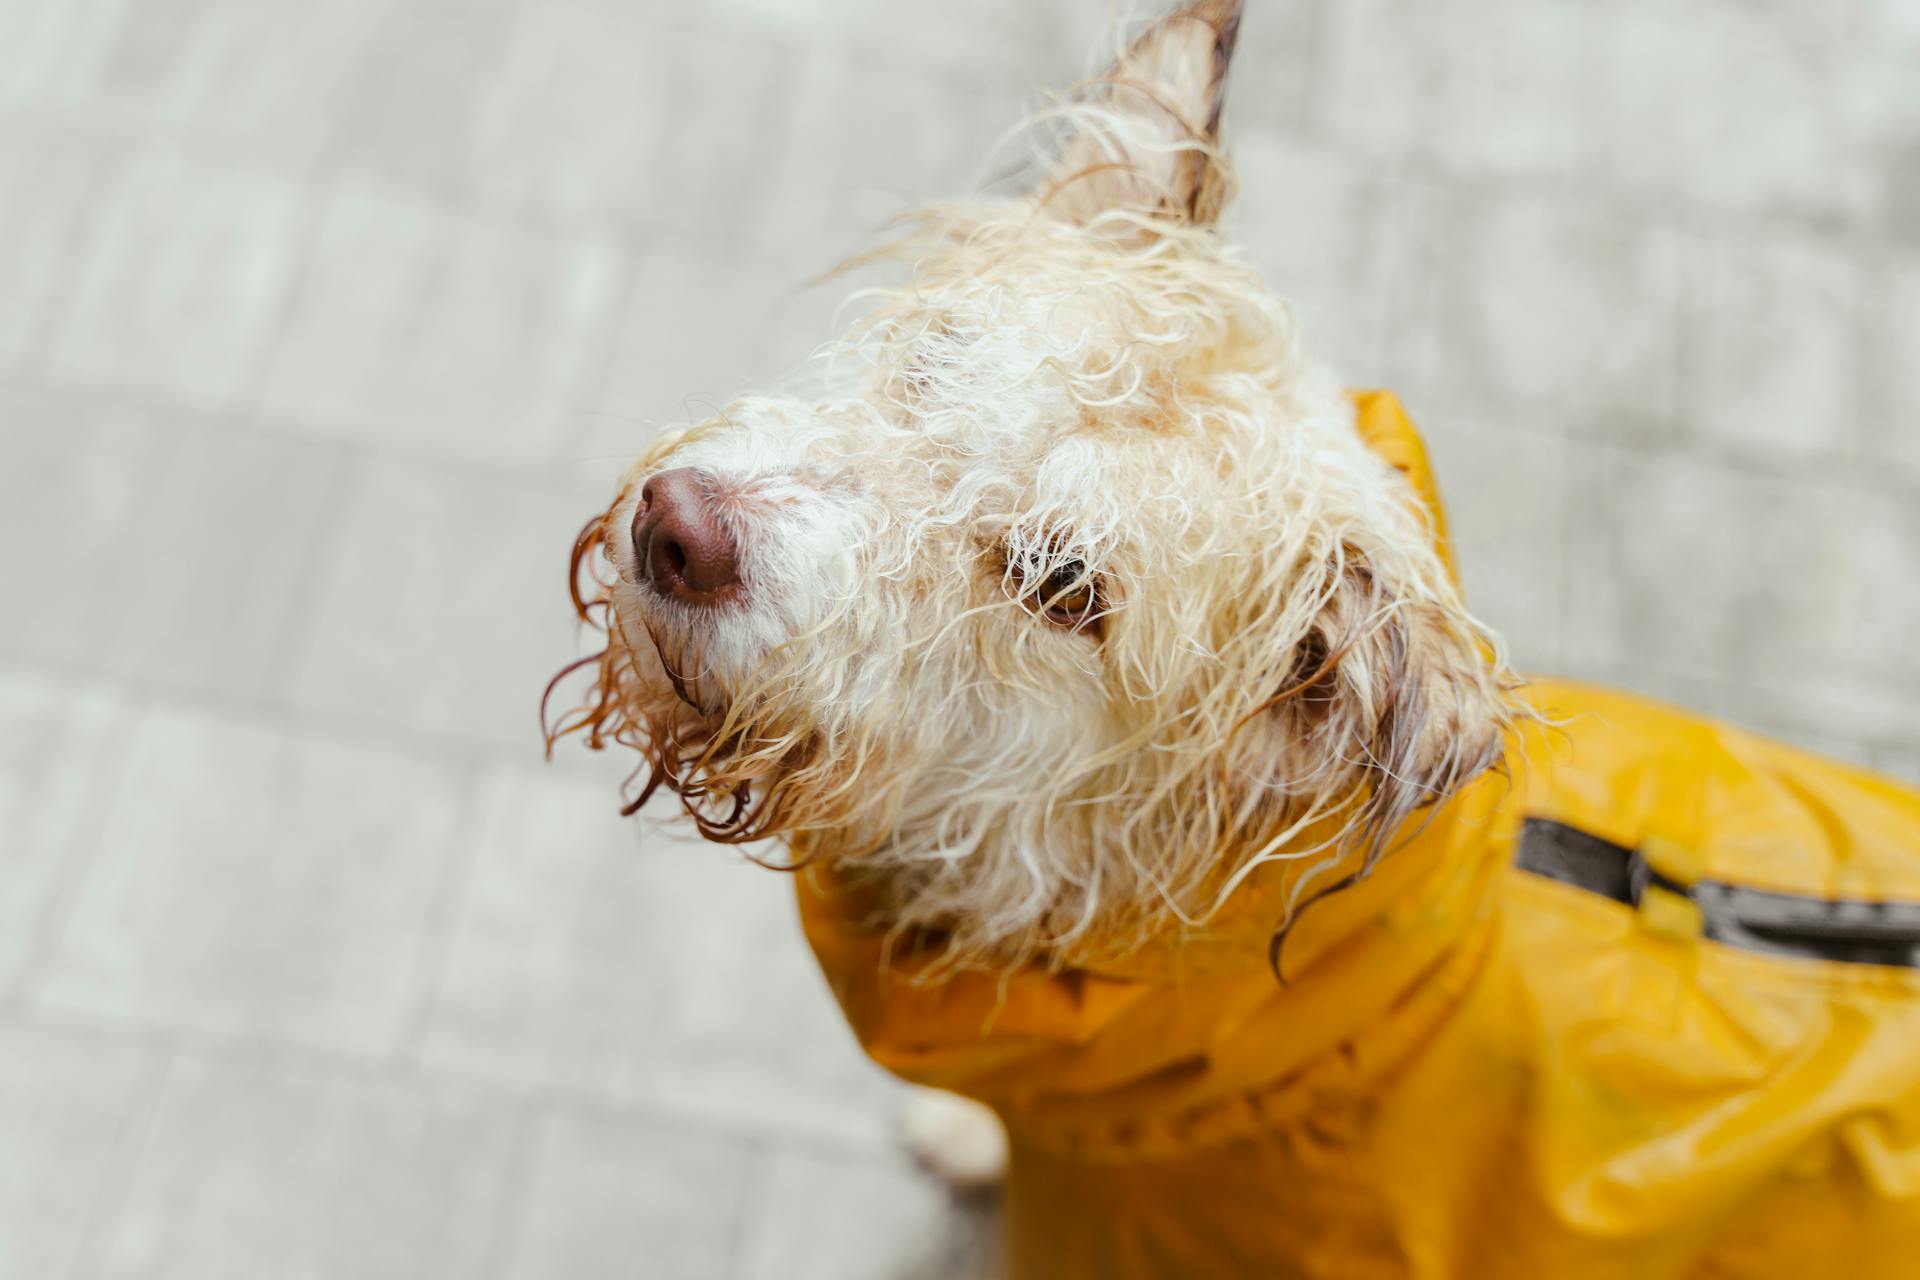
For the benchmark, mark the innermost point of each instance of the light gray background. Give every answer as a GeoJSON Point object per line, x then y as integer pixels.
{"type": "Point", "coordinates": [324, 325]}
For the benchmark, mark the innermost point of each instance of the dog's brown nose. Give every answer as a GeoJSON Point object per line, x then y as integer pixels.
{"type": "Point", "coordinates": [682, 545]}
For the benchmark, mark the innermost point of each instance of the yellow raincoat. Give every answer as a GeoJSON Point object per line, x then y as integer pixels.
{"type": "Point", "coordinates": [1648, 1009]}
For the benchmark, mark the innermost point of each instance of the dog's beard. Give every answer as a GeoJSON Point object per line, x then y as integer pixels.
{"type": "Point", "coordinates": [684, 663]}
{"type": "Point", "coordinates": [732, 764]}
{"type": "Point", "coordinates": [745, 764]}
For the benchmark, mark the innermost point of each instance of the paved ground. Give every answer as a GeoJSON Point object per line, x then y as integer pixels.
{"type": "Point", "coordinates": [322, 326]}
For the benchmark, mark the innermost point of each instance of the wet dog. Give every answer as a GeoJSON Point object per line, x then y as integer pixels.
{"type": "Point", "coordinates": [1098, 658]}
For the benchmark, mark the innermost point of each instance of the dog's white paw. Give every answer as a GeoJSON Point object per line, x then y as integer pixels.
{"type": "Point", "coordinates": [958, 1139]}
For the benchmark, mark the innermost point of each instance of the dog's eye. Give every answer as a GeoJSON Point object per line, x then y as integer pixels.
{"type": "Point", "coordinates": [1067, 596]}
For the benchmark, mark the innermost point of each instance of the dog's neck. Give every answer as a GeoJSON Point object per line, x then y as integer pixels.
{"type": "Point", "coordinates": [1282, 921]}
{"type": "Point", "coordinates": [1294, 925]}
{"type": "Point", "coordinates": [1363, 974]}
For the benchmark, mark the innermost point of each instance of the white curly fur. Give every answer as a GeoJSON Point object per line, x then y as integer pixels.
{"type": "Point", "coordinates": [1281, 667]}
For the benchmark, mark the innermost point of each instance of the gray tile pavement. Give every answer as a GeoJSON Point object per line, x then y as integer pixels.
{"type": "Point", "coordinates": [1778, 348]}
{"type": "Point", "coordinates": [61, 743]}
{"type": "Point", "coordinates": [1666, 555]}
{"type": "Point", "coordinates": [248, 1172]}
{"type": "Point", "coordinates": [1891, 327]}
{"type": "Point", "coordinates": [419, 86]}
{"type": "Point", "coordinates": [75, 1110]}
{"type": "Point", "coordinates": [458, 334]}
{"type": "Point", "coordinates": [611, 1197]}
{"type": "Point", "coordinates": [1779, 147]}
{"type": "Point", "coordinates": [1503, 478]}
{"type": "Point", "coordinates": [235, 890]}
{"type": "Point", "coordinates": [52, 178]}
{"type": "Point", "coordinates": [323, 327]}
{"type": "Point", "coordinates": [819, 1216]}
{"type": "Point", "coordinates": [433, 582]}
{"type": "Point", "coordinates": [155, 544]}
{"type": "Point", "coordinates": [577, 962]}
{"type": "Point", "coordinates": [1479, 90]}
{"type": "Point", "coordinates": [176, 287]}
{"type": "Point", "coordinates": [1349, 234]}
{"type": "Point", "coordinates": [1565, 310]}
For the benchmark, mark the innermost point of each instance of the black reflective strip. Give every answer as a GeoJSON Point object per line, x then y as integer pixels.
{"type": "Point", "coordinates": [1572, 856]}
{"type": "Point", "coordinates": [1783, 924]}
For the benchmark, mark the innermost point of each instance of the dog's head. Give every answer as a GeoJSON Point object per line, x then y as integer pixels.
{"type": "Point", "coordinates": [1077, 595]}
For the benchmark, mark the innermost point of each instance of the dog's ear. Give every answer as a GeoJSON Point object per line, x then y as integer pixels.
{"type": "Point", "coordinates": [1394, 699]}
{"type": "Point", "coordinates": [1145, 134]}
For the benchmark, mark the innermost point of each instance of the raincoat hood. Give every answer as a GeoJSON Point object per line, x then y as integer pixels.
{"type": "Point", "coordinates": [1643, 1003]}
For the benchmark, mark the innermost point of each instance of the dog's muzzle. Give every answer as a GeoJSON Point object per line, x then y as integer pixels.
{"type": "Point", "coordinates": [680, 542]}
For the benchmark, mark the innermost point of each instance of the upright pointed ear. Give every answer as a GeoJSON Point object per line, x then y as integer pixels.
{"type": "Point", "coordinates": [1145, 135]}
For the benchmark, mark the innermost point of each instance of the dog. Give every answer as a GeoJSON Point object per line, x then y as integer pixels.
{"type": "Point", "coordinates": [1098, 663]}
